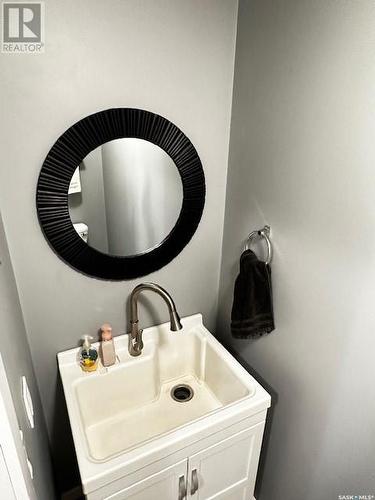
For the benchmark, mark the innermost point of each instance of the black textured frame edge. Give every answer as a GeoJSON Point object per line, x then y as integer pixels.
{"type": "Point", "coordinates": [69, 151]}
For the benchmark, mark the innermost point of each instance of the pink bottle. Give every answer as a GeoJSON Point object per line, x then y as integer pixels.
{"type": "Point", "coordinates": [107, 347]}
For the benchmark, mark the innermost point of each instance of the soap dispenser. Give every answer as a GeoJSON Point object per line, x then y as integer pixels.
{"type": "Point", "coordinates": [88, 355]}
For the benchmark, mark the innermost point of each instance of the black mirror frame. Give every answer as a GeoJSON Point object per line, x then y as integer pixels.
{"type": "Point", "coordinates": [69, 151]}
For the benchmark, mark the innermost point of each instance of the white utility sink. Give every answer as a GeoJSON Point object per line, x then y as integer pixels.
{"type": "Point", "coordinates": [124, 412]}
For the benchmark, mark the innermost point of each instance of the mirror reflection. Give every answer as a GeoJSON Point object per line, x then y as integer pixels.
{"type": "Point", "coordinates": [125, 197]}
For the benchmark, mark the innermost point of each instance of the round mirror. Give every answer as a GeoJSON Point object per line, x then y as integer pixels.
{"type": "Point", "coordinates": [120, 193]}
{"type": "Point", "coordinates": [125, 197]}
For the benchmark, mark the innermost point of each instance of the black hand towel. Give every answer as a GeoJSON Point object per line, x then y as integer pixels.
{"type": "Point", "coordinates": [252, 312]}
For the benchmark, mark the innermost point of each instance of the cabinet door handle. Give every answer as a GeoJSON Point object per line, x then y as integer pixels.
{"type": "Point", "coordinates": [182, 489]}
{"type": "Point", "coordinates": [194, 482]}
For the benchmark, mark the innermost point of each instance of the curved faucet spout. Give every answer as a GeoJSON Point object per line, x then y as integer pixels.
{"type": "Point", "coordinates": [135, 337]}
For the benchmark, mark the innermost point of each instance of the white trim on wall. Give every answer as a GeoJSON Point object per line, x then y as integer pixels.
{"type": "Point", "coordinates": [11, 444]}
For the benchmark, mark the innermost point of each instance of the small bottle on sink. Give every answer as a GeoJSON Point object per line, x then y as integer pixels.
{"type": "Point", "coordinates": [88, 355]}
{"type": "Point", "coordinates": [107, 347]}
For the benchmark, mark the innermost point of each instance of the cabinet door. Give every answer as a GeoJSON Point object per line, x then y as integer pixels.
{"type": "Point", "coordinates": [227, 470]}
{"type": "Point", "coordinates": [168, 484]}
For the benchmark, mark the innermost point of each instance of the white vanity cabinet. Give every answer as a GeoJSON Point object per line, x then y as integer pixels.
{"type": "Point", "coordinates": [225, 470]}
{"type": "Point", "coordinates": [135, 439]}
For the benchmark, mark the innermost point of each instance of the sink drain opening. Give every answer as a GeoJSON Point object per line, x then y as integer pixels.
{"type": "Point", "coordinates": [182, 393]}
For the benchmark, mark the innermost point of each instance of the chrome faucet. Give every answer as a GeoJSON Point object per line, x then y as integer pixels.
{"type": "Point", "coordinates": [135, 336]}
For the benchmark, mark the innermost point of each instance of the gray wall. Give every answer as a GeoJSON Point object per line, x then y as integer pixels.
{"type": "Point", "coordinates": [174, 58]}
{"type": "Point", "coordinates": [15, 352]}
{"type": "Point", "coordinates": [302, 157]}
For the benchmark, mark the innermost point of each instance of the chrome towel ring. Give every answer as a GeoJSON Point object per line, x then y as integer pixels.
{"type": "Point", "coordinates": [261, 233]}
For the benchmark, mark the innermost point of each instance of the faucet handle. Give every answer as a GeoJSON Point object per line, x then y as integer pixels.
{"type": "Point", "coordinates": [106, 332]}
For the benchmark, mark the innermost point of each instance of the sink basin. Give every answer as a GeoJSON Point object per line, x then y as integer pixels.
{"type": "Point", "coordinates": [131, 408]}
{"type": "Point", "coordinates": [132, 402]}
